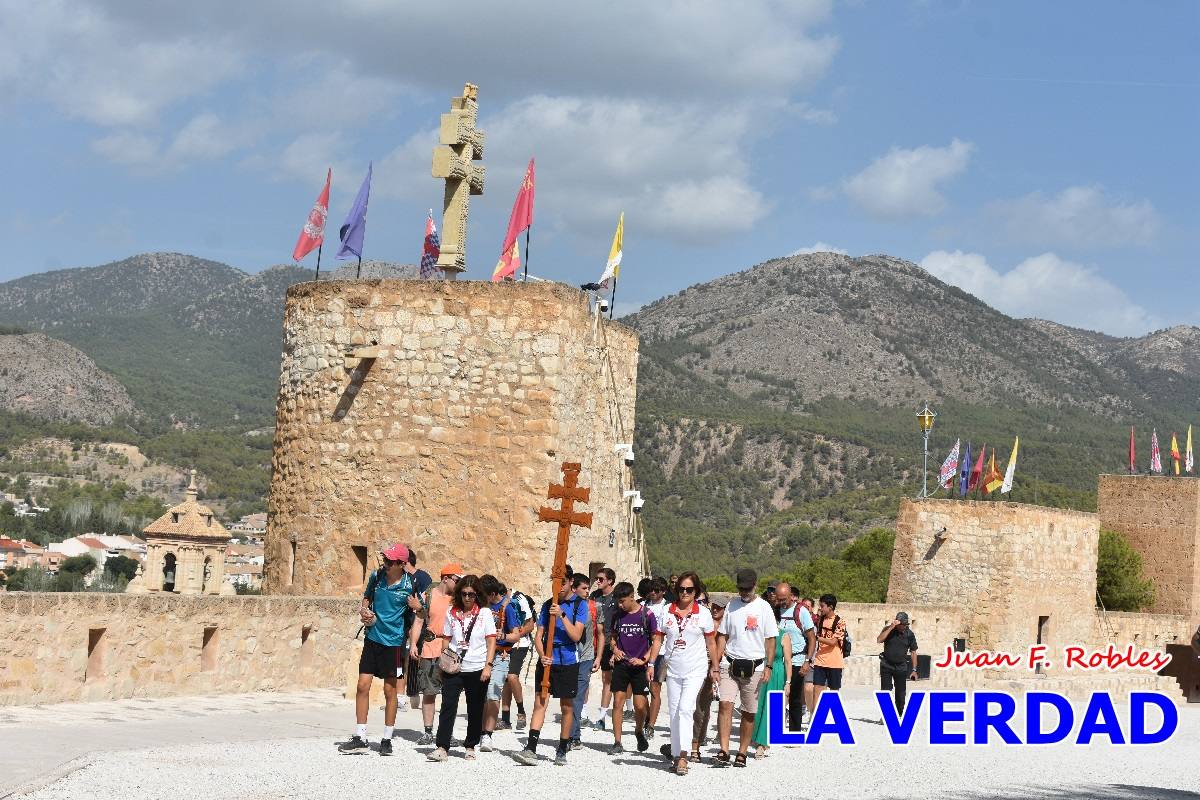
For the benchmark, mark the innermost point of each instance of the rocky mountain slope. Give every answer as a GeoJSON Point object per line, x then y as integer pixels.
{"type": "Point", "coordinates": [46, 378]}
{"type": "Point", "coordinates": [195, 342]}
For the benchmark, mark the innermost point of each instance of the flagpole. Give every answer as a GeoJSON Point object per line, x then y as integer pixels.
{"type": "Point", "coordinates": [612, 302]}
{"type": "Point", "coordinates": [317, 277]}
{"type": "Point", "coordinates": [358, 272]}
{"type": "Point", "coordinates": [527, 230]}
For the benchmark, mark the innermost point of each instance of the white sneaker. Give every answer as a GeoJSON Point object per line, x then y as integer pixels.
{"type": "Point", "coordinates": [485, 744]}
{"type": "Point", "coordinates": [402, 704]}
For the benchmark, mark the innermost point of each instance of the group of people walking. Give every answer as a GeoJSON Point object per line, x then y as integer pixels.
{"type": "Point", "coordinates": [468, 636]}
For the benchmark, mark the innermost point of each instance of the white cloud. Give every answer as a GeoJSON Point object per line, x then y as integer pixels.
{"type": "Point", "coordinates": [819, 247]}
{"type": "Point", "coordinates": [203, 138]}
{"type": "Point", "coordinates": [80, 59]}
{"type": "Point", "coordinates": [676, 170]}
{"type": "Point", "coordinates": [907, 183]}
{"type": "Point", "coordinates": [1045, 287]}
{"type": "Point", "coordinates": [1080, 216]}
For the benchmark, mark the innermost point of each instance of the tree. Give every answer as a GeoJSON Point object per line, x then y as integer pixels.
{"type": "Point", "coordinates": [1119, 580]}
{"type": "Point", "coordinates": [121, 566]}
{"type": "Point", "coordinates": [720, 583]}
{"type": "Point", "coordinates": [83, 565]}
{"type": "Point", "coordinates": [30, 579]}
{"type": "Point", "coordinates": [859, 574]}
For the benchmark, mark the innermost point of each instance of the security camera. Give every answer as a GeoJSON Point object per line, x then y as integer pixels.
{"type": "Point", "coordinates": [603, 306]}
{"type": "Point", "coordinates": [627, 450]}
{"type": "Point", "coordinates": [637, 505]}
{"type": "Point", "coordinates": [636, 501]}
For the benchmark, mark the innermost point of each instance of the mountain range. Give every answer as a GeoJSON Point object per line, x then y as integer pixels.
{"type": "Point", "coordinates": [776, 405]}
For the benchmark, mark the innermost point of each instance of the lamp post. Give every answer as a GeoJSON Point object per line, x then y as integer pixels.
{"type": "Point", "coordinates": [925, 422]}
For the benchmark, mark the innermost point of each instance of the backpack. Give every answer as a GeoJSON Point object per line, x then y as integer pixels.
{"type": "Point", "coordinates": [522, 614]}
{"type": "Point", "coordinates": [846, 643]}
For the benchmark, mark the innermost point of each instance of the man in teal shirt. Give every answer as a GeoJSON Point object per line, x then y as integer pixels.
{"type": "Point", "coordinates": [384, 615]}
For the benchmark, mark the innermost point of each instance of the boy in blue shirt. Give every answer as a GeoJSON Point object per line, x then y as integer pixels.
{"type": "Point", "coordinates": [568, 616]}
{"type": "Point", "coordinates": [384, 613]}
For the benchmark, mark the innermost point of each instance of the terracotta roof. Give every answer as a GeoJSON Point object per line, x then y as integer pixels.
{"type": "Point", "coordinates": [189, 519]}
{"type": "Point", "coordinates": [9, 544]}
{"type": "Point", "coordinates": [88, 541]}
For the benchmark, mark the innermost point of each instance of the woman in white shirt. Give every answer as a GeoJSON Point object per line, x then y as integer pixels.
{"type": "Point", "coordinates": [472, 635]}
{"type": "Point", "coordinates": [685, 634]}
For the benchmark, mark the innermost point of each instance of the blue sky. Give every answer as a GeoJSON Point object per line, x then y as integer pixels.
{"type": "Point", "coordinates": [1040, 155]}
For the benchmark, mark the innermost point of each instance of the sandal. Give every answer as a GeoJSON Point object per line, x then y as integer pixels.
{"type": "Point", "coordinates": [739, 760]}
{"type": "Point", "coordinates": [694, 757]}
{"type": "Point", "coordinates": [681, 766]}
{"type": "Point", "coordinates": [470, 754]}
{"type": "Point", "coordinates": [760, 753]}
{"type": "Point", "coordinates": [721, 759]}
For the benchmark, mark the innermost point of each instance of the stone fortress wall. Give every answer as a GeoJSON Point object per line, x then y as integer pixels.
{"type": "Point", "coordinates": [91, 646]}
{"type": "Point", "coordinates": [1160, 516]}
{"type": "Point", "coordinates": [448, 438]}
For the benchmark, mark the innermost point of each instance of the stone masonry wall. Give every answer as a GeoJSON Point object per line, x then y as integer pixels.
{"type": "Point", "coordinates": [1160, 516]}
{"type": "Point", "coordinates": [1005, 564]}
{"type": "Point", "coordinates": [91, 646]}
{"type": "Point", "coordinates": [448, 439]}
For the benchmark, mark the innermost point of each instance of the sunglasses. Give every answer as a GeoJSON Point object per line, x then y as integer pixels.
{"type": "Point", "coordinates": [687, 589]}
{"type": "Point", "coordinates": [469, 594]}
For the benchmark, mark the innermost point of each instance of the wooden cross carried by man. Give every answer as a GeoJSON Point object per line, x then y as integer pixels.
{"type": "Point", "coordinates": [568, 492]}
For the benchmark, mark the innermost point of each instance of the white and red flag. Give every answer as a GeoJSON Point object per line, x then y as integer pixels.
{"type": "Point", "coordinates": [949, 467]}
{"type": "Point", "coordinates": [1155, 455]}
{"type": "Point", "coordinates": [431, 250]}
{"type": "Point", "coordinates": [313, 233]}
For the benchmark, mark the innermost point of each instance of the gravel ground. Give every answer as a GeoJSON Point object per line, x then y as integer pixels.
{"type": "Point", "coordinates": [312, 768]}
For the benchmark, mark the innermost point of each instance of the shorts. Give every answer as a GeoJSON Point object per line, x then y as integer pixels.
{"type": "Point", "coordinates": [380, 660]}
{"type": "Point", "coordinates": [660, 669]}
{"type": "Point", "coordinates": [500, 667]}
{"type": "Point", "coordinates": [742, 690]}
{"type": "Point", "coordinates": [827, 676]}
{"type": "Point", "coordinates": [606, 659]}
{"type": "Point", "coordinates": [427, 677]}
{"type": "Point", "coordinates": [564, 680]}
{"type": "Point", "coordinates": [517, 660]}
{"type": "Point", "coordinates": [628, 678]}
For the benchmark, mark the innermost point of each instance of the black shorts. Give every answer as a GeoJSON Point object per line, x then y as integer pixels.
{"type": "Point", "coordinates": [606, 658]}
{"type": "Point", "coordinates": [516, 660]}
{"type": "Point", "coordinates": [380, 660]}
{"type": "Point", "coordinates": [564, 680]}
{"type": "Point", "coordinates": [628, 678]}
{"type": "Point", "coordinates": [829, 677]}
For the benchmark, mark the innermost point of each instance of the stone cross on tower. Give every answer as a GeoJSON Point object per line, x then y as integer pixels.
{"type": "Point", "coordinates": [459, 144]}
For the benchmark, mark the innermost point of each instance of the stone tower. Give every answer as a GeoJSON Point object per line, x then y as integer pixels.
{"type": "Point", "coordinates": [185, 551]}
{"type": "Point", "coordinates": [1022, 574]}
{"type": "Point", "coordinates": [1160, 516]}
{"type": "Point", "coordinates": [437, 413]}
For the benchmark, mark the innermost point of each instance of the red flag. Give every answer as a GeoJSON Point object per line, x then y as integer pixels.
{"type": "Point", "coordinates": [1132, 461]}
{"type": "Point", "coordinates": [976, 471]}
{"type": "Point", "coordinates": [313, 232]}
{"type": "Point", "coordinates": [520, 219]}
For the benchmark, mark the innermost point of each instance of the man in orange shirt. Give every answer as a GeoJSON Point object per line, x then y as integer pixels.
{"type": "Point", "coordinates": [828, 662]}
{"type": "Point", "coordinates": [427, 644]}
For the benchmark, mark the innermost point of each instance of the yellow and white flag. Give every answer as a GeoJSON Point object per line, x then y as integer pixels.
{"type": "Point", "coordinates": [612, 269]}
{"type": "Point", "coordinates": [1188, 461]}
{"type": "Point", "coordinates": [1006, 487]}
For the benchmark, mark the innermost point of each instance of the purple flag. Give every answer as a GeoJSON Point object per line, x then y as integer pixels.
{"type": "Point", "coordinates": [355, 227]}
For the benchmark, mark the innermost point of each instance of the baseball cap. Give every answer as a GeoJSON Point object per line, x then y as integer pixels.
{"type": "Point", "coordinates": [746, 579]}
{"type": "Point", "coordinates": [902, 617]}
{"type": "Point", "coordinates": [397, 552]}
{"type": "Point", "coordinates": [453, 569]}
{"type": "Point", "coordinates": [719, 599]}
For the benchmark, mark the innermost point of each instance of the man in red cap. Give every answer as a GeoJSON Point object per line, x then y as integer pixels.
{"type": "Point", "coordinates": [383, 613]}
